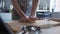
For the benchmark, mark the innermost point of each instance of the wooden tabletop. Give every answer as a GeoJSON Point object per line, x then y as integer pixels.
{"type": "Point", "coordinates": [16, 25]}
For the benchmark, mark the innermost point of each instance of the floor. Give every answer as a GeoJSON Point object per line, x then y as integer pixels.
{"type": "Point", "coordinates": [52, 30]}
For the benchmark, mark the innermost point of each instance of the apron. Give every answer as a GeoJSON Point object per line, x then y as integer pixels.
{"type": "Point", "coordinates": [26, 6]}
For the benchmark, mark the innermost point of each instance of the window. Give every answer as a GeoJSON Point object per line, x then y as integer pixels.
{"type": "Point", "coordinates": [46, 5]}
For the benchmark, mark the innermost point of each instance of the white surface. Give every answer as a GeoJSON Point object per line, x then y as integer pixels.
{"type": "Point", "coordinates": [42, 10]}
{"type": "Point", "coordinates": [52, 30]}
{"type": "Point", "coordinates": [6, 17]}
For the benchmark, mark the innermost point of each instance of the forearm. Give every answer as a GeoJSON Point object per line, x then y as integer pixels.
{"type": "Point", "coordinates": [34, 6]}
{"type": "Point", "coordinates": [18, 9]}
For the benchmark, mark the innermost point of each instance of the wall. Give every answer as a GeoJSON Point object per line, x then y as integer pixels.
{"type": "Point", "coordinates": [57, 6]}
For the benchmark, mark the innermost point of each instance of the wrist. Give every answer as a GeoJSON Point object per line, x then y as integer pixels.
{"type": "Point", "coordinates": [27, 16]}
{"type": "Point", "coordinates": [32, 16]}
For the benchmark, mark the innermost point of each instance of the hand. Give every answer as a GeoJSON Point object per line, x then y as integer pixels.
{"type": "Point", "coordinates": [30, 19]}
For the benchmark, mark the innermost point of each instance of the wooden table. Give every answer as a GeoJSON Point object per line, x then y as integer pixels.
{"type": "Point", "coordinates": [15, 25]}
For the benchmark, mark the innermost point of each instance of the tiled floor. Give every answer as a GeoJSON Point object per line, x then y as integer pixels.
{"type": "Point", "coordinates": [52, 30]}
